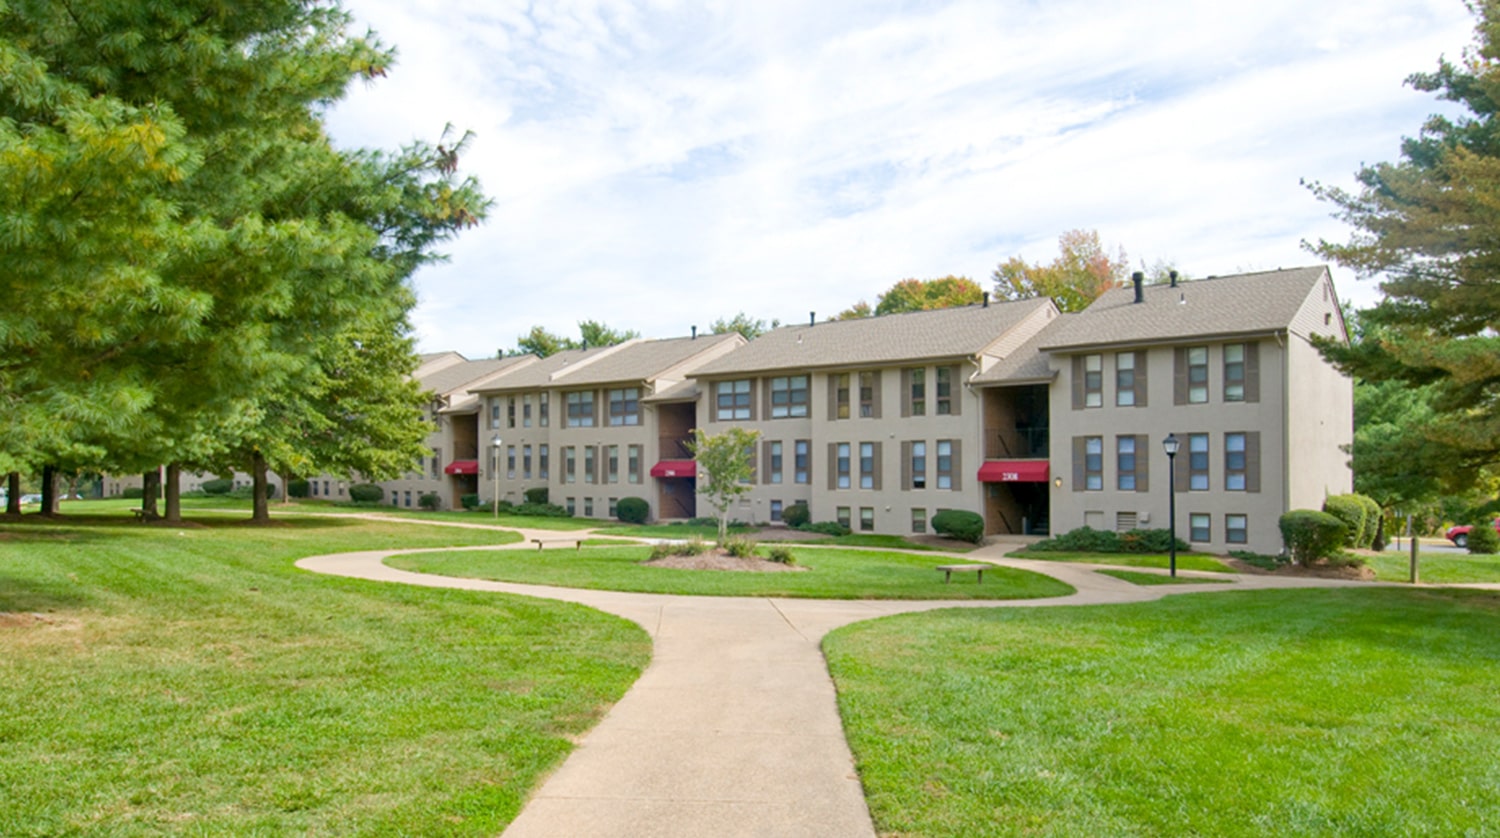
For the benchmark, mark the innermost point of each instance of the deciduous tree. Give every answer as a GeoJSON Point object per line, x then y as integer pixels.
{"type": "Point", "coordinates": [748, 327]}
{"type": "Point", "coordinates": [925, 294]}
{"type": "Point", "coordinates": [1083, 270]}
{"type": "Point", "coordinates": [724, 468]}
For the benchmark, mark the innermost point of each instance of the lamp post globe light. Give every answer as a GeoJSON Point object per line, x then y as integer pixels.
{"type": "Point", "coordinates": [1171, 445]}
{"type": "Point", "coordinates": [495, 445]}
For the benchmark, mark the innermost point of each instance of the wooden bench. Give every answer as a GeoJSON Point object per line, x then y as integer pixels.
{"type": "Point", "coordinates": [576, 541]}
{"type": "Point", "coordinates": [950, 569]}
{"type": "Point", "coordinates": [140, 514]}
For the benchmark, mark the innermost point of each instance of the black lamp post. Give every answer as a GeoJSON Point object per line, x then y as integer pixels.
{"type": "Point", "coordinates": [1170, 445]}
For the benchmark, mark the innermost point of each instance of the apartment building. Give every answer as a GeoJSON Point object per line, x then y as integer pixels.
{"type": "Point", "coordinates": [871, 422]}
{"type": "Point", "coordinates": [587, 426]}
{"type": "Point", "coordinates": [1226, 365]}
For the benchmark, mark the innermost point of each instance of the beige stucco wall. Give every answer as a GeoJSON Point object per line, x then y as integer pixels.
{"type": "Point", "coordinates": [1320, 426]}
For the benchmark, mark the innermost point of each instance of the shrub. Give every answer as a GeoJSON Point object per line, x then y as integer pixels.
{"type": "Point", "coordinates": [469, 500]}
{"type": "Point", "coordinates": [536, 510]}
{"type": "Point", "coordinates": [692, 547]}
{"type": "Point", "coordinates": [537, 496]}
{"type": "Point", "coordinates": [1311, 535]}
{"type": "Point", "coordinates": [739, 547]}
{"type": "Point", "coordinates": [1351, 512]}
{"type": "Point", "coordinates": [132, 493]}
{"type": "Point", "coordinates": [960, 524]}
{"type": "Point", "coordinates": [833, 528]}
{"type": "Point", "coordinates": [430, 500]}
{"type": "Point", "coordinates": [217, 486]}
{"type": "Point", "coordinates": [1483, 539]}
{"type": "Point", "coordinates": [1373, 516]}
{"type": "Point", "coordinates": [796, 516]}
{"type": "Point", "coordinates": [781, 554]}
{"type": "Point", "coordinates": [1264, 561]}
{"type": "Point", "coordinates": [366, 493]}
{"type": "Point", "coordinates": [1149, 541]}
{"type": "Point", "coordinates": [1081, 540]}
{"type": "Point", "coordinates": [633, 510]}
{"type": "Point", "coordinates": [297, 488]}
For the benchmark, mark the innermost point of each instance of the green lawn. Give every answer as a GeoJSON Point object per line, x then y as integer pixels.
{"type": "Point", "coordinates": [832, 574]}
{"type": "Point", "coordinates": [1185, 561]}
{"type": "Point", "coordinates": [1436, 568]}
{"type": "Point", "coordinates": [675, 531]}
{"type": "Point", "coordinates": [1136, 578]}
{"type": "Point", "coordinates": [1317, 712]}
{"type": "Point", "coordinates": [189, 680]}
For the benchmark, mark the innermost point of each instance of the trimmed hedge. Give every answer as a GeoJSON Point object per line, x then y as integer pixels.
{"type": "Point", "coordinates": [366, 493]}
{"type": "Point", "coordinates": [217, 486]}
{"type": "Point", "coordinates": [833, 528]}
{"type": "Point", "coordinates": [633, 510]}
{"type": "Point", "coordinates": [430, 501]}
{"type": "Point", "coordinates": [1090, 540]}
{"type": "Point", "coordinates": [1311, 535]}
{"type": "Point", "coordinates": [1373, 516]}
{"type": "Point", "coordinates": [537, 496]}
{"type": "Point", "coordinates": [297, 488]}
{"type": "Point", "coordinates": [1483, 540]}
{"type": "Point", "coordinates": [1361, 517]}
{"type": "Point", "coordinates": [796, 516]}
{"type": "Point", "coordinates": [469, 500]}
{"type": "Point", "coordinates": [960, 524]}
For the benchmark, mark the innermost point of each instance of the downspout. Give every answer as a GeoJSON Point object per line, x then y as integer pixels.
{"type": "Point", "coordinates": [1286, 423]}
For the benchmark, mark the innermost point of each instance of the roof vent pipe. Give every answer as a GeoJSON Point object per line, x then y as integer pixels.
{"type": "Point", "coordinates": [1138, 278]}
{"type": "Point", "coordinates": [812, 318]}
{"type": "Point", "coordinates": [1173, 275]}
{"type": "Point", "coordinates": [986, 299]}
{"type": "Point", "coordinates": [695, 333]}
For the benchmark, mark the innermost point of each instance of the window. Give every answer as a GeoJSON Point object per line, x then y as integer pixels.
{"type": "Point", "coordinates": [944, 391]}
{"type": "Point", "coordinates": [801, 461]}
{"type": "Point", "coordinates": [612, 464]}
{"type": "Point", "coordinates": [510, 461]}
{"type": "Point", "coordinates": [572, 505]}
{"type": "Point", "coordinates": [588, 507]}
{"type": "Point", "coordinates": [788, 396]}
{"type": "Point", "coordinates": [437, 463]}
{"type": "Point", "coordinates": [1234, 372]}
{"type": "Point", "coordinates": [775, 511]}
{"type": "Point", "coordinates": [919, 464]}
{"type": "Point", "coordinates": [1093, 381]}
{"type": "Point", "coordinates": [1200, 527]}
{"type": "Point", "coordinates": [1093, 463]}
{"type": "Point", "coordinates": [1198, 462]}
{"type": "Point", "coordinates": [526, 411]}
{"type": "Point", "coordinates": [945, 464]}
{"type": "Point", "coordinates": [1234, 462]}
{"type": "Point", "coordinates": [866, 395]}
{"type": "Point", "coordinates": [1125, 463]}
{"type": "Point", "coordinates": [612, 504]}
{"type": "Point", "coordinates": [1197, 374]}
{"type": "Point", "coordinates": [633, 463]}
{"type": "Point", "coordinates": [918, 520]}
{"type": "Point", "coordinates": [867, 465]}
{"type": "Point", "coordinates": [526, 462]}
{"type": "Point", "coordinates": [732, 400]}
{"type": "Point", "coordinates": [867, 518]}
{"type": "Point", "coordinates": [408, 498]}
{"type": "Point", "coordinates": [510, 412]}
{"type": "Point", "coordinates": [773, 462]}
{"type": "Point", "coordinates": [842, 515]}
{"type": "Point", "coordinates": [542, 461]}
{"type": "Point", "coordinates": [581, 409]}
{"type": "Point", "coordinates": [590, 475]}
{"type": "Point", "coordinates": [313, 488]}
{"type": "Point", "coordinates": [840, 395]}
{"type": "Point", "coordinates": [843, 465]}
{"type": "Point", "coordinates": [917, 390]}
{"type": "Point", "coordinates": [1235, 527]}
{"type": "Point", "coordinates": [625, 406]}
{"type": "Point", "coordinates": [1125, 379]}
{"type": "Point", "coordinates": [570, 464]}
{"type": "Point", "coordinates": [541, 409]}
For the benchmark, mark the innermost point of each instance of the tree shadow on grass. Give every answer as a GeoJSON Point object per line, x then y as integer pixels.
{"type": "Point", "coordinates": [20, 594]}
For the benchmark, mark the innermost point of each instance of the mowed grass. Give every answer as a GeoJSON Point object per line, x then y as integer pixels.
{"type": "Point", "coordinates": [1435, 568]}
{"type": "Point", "coordinates": [1185, 561]}
{"type": "Point", "coordinates": [1317, 712]}
{"type": "Point", "coordinates": [1137, 578]}
{"type": "Point", "coordinates": [189, 680]}
{"type": "Point", "coordinates": [831, 573]}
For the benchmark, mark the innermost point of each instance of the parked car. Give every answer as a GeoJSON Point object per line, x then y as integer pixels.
{"type": "Point", "coordinates": [31, 499]}
{"type": "Point", "coordinates": [1460, 535]}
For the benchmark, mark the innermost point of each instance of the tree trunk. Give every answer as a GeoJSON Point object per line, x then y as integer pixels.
{"type": "Point", "coordinates": [49, 491]}
{"type": "Point", "coordinates": [723, 526]}
{"type": "Point", "coordinates": [150, 490]}
{"type": "Point", "coordinates": [286, 480]}
{"type": "Point", "coordinates": [174, 493]}
{"type": "Point", "coordinates": [13, 493]}
{"type": "Point", "coordinates": [1380, 533]}
{"type": "Point", "coordinates": [262, 511]}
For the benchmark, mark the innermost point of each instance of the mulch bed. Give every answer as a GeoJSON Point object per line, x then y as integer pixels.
{"type": "Point", "coordinates": [720, 560]}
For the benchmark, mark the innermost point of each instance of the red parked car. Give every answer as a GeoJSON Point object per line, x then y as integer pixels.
{"type": "Point", "coordinates": [1460, 535]}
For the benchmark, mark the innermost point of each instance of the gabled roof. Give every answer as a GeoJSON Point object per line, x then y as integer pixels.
{"type": "Point", "coordinates": [682, 391]}
{"type": "Point", "coordinates": [893, 338]}
{"type": "Point", "coordinates": [645, 360]}
{"type": "Point", "coordinates": [1242, 304]}
{"type": "Point", "coordinates": [460, 376]}
{"type": "Point", "coordinates": [1028, 363]}
{"type": "Point", "coordinates": [539, 375]}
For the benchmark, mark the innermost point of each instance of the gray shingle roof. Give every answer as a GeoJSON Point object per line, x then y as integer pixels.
{"type": "Point", "coordinates": [538, 375]}
{"type": "Point", "coordinates": [894, 338]}
{"type": "Point", "coordinates": [644, 361]}
{"type": "Point", "coordinates": [682, 391]}
{"type": "Point", "coordinates": [1028, 363]}
{"type": "Point", "coordinates": [458, 376]}
{"type": "Point", "coordinates": [1229, 305]}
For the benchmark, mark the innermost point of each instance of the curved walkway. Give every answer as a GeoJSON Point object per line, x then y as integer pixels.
{"type": "Point", "coordinates": [733, 729]}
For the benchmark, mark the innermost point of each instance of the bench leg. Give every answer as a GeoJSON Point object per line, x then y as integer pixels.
{"type": "Point", "coordinates": [981, 578]}
{"type": "Point", "coordinates": [947, 576]}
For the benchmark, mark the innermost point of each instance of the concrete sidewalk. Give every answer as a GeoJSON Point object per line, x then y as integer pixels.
{"type": "Point", "coordinates": [733, 729]}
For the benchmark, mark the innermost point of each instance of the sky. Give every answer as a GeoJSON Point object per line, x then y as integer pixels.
{"type": "Point", "coordinates": [658, 165]}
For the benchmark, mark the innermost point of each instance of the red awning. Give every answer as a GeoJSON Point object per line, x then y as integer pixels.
{"type": "Point", "coordinates": [1014, 471]}
{"type": "Point", "coordinates": [462, 467]}
{"type": "Point", "coordinates": [675, 468]}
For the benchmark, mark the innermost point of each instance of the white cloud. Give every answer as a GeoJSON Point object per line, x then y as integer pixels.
{"type": "Point", "coordinates": [659, 164]}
